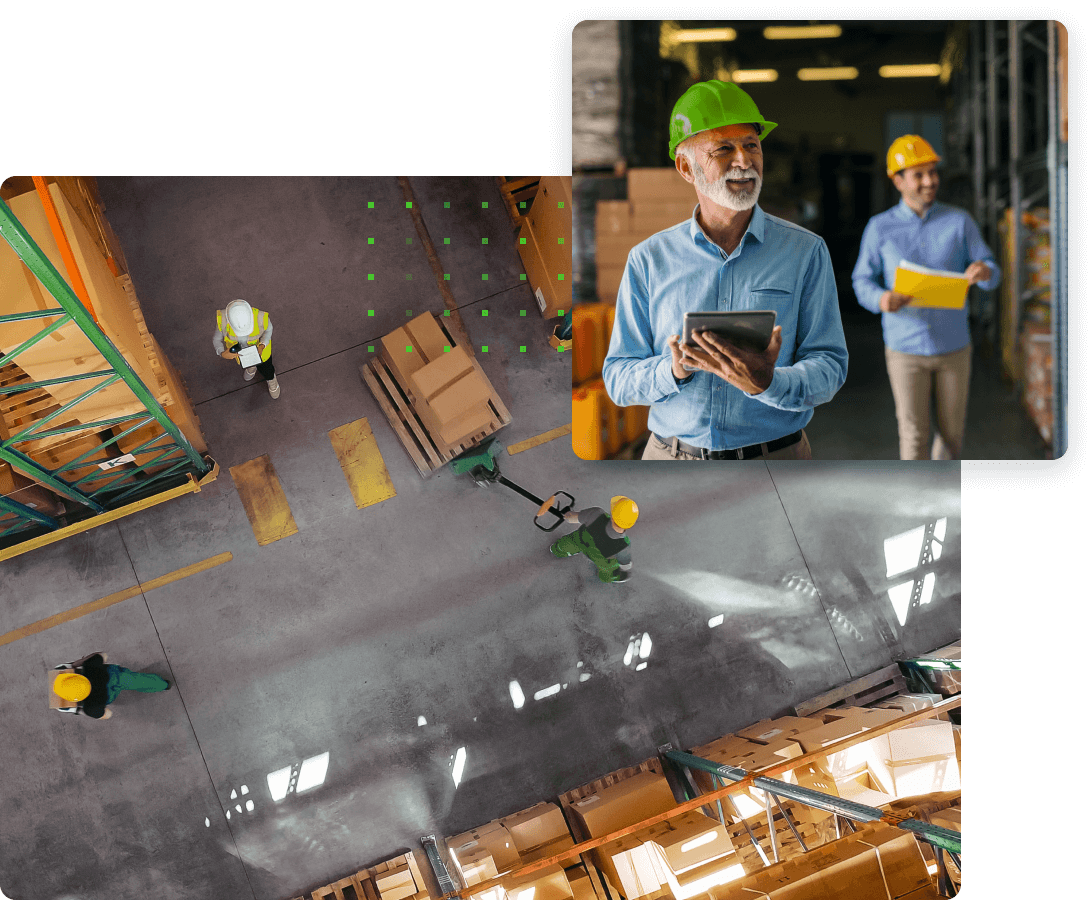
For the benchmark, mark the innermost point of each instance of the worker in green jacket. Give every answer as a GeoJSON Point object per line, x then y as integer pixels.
{"type": "Point", "coordinates": [602, 537]}
{"type": "Point", "coordinates": [89, 685]}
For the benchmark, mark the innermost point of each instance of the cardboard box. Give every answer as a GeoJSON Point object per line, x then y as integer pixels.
{"type": "Point", "coordinates": [948, 818]}
{"type": "Point", "coordinates": [828, 733]}
{"type": "Point", "coordinates": [608, 280]}
{"type": "Point", "coordinates": [920, 759]}
{"type": "Point", "coordinates": [658, 186]}
{"type": "Point", "coordinates": [465, 394]}
{"type": "Point", "coordinates": [487, 849]}
{"type": "Point", "coordinates": [551, 284]}
{"type": "Point", "coordinates": [612, 216]}
{"type": "Point", "coordinates": [814, 777]}
{"type": "Point", "coordinates": [689, 841]}
{"type": "Point", "coordinates": [548, 884]}
{"type": "Point", "coordinates": [581, 885]}
{"type": "Point", "coordinates": [469, 423]}
{"type": "Point", "coordinates": [911, 702]}
{"type": "Point", "coordinates": [435, 377]}
{"type": "Point", "coordinates": [625, 803]}
{"type": "Point", "coordinates": [767, 730]}
{"type": "Point", "coordinates": [396, 885]}
{"type": "Point", "coordinates": [863, 787]}
{"type": "Point", "coordinates": [868, 718]}
{"type": "Point", "coordinates": [536, 826]}
{"type": "Point", "coordinates": [401, 360]}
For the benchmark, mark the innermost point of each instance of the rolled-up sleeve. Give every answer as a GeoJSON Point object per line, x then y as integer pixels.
{"type": "Point", "coordinates": [634, 371]}
{"type": "Point", "coordinates": [820, 360]}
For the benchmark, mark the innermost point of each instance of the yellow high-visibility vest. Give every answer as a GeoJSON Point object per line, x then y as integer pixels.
{"type": "Point", "coordinates": [260, 323]}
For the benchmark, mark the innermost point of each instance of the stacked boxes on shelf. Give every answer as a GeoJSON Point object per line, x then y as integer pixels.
{"type": "Point", "coordinates": [599, 427]}
{"type": "Point", "coordinates": [544, 242]}
{"type": "Point", "coordinates": [657, 199]}
{"type": "Point", "coordinates": [398, 878]}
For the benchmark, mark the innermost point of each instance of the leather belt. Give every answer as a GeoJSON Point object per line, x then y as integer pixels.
{"type": "Point", "coordinates": [750, 452]}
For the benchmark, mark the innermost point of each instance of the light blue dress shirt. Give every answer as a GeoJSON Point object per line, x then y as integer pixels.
{"type": "Point", "coordinates": [945, 238]}
{"type": "Point", "coordinates": [777, 265]}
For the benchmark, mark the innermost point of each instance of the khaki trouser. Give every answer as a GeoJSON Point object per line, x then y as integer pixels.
{"type": "Point", "coordinates": [915, 379]}
{"type": "Point", "coordinates": [656, 449]}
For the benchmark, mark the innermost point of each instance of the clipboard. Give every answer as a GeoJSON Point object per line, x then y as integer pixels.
{"type": "Point", "coordinates": [931, 288]}
{"type": "Point", "coordinates": [249, 356]}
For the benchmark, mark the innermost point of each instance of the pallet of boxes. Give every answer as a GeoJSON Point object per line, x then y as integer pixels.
{"type": "Point", "coordinates": [398, 878]}
{"type": "Point", "coordinates": [433, 392]}
{"type": "Point", "coordinates": [46, 379]}
{"type": "Point", "coordinates": [656, 199]}
{"type": "Point", "coordinates": [502, 846]}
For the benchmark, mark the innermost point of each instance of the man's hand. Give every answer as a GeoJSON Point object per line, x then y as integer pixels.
{"type": "Point", "coordinates": [749, 370]}
{"type": "Point", "coordinates": [226, 354]}
{"type": "Point", "coordinates": [893, 301]}
{"type": "Point", "coordinates": [260, 348]}
{"type": "Point", "coordinates": [978, 271]}
{"type": "Point", "coordinates": [678, 371]}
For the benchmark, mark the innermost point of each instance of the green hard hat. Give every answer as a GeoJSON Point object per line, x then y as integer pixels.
{"type": "Point", "coordinates": [712, 104]}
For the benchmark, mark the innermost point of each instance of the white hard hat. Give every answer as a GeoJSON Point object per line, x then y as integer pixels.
{"type": "Point", "coordinates": [240, 316]}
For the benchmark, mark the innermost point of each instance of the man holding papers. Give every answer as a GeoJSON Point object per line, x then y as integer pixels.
{"type": "Point", "coordinates": [916, 263]}
{"type": "Point", "coordinates": [244, 334]}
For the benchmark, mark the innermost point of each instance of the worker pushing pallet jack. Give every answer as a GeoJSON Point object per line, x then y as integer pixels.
{"type": "Point", "coordinates": [601, 535]}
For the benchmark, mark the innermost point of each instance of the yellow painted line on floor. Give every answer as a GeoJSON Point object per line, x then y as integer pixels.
{"type": "Point", "coordinates": [95, 605]}
{"type": "Point", "coordinates": [539, 439]}
{"type": "Point", "coordinates": [264, 500]}
{"type": "Point", "coordinates": [362, 463]}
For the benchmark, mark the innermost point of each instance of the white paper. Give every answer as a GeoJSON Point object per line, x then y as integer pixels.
{"type": "Point", "coordinates": [250, 356]}
{"type": "Point", "coordinates": [915, 267]}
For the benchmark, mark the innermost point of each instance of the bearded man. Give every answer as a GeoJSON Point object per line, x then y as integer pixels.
{"type": "Point", "coordinates": [730, 402]}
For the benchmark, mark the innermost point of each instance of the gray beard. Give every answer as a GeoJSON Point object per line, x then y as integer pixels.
{"type": "Point", "coordinates": [720, 192]}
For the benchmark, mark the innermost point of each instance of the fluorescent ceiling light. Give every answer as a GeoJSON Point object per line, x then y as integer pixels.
{"type": "Point", "coordinates": [517, 695]}
{"type": "Point", "coordinates": [279, 782]}
{"type": "Point", "coordinates": [703, 35]}
{"type": "Point", "coordinates": [459, 765]}
{"type": "Point", "coordinates": [644, 645]}
{"type": "Point", "coordinates": [312, 772]}
{"type": "Point", "coordinates": [832, 73]}
{"type": "Point", "coordinates": [744, 76]}
{"type": "Point", "coordinates": [795, 32]}
{"type": "Point", "coordinates": [547, 692]}
{"type": "Point", "coordinates": [928, 70]}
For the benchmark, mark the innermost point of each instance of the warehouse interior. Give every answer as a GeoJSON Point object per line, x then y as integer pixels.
{"type": "Point", "coordinates": [418, 664]}
{"type": "Point", "coordinates": [990, 97]}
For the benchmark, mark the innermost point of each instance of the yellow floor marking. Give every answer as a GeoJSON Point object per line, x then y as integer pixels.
{"type": "Point", "coordinates": [95, 605]}
{"type": "Point", "coordinates": [264, 500]}
{"type": "Point", "coordinates": [539, 439]}
{"type": "Point", "coordinates": [362, 463]}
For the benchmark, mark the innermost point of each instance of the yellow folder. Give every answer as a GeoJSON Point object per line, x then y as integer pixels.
{"type": "Point", "coordinates": [931, 288]}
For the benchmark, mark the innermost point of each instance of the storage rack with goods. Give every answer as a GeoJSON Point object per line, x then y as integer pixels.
{"type": "Point", "coordinates": [94, 421]}
{"type": "Point", "coordinates": [1010, 134]}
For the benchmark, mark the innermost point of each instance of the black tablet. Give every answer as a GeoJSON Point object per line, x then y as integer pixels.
{"type": "Point", "coordinates": [749, 329]}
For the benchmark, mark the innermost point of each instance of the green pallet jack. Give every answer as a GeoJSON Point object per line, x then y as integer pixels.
{"type": "Point", "coordinates": [481, 464]}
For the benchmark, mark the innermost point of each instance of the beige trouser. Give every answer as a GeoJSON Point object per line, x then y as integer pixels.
{"type": "Point", "coordinates": [915, 379]}
{"type": "Point", "coordinates": [657, 449]}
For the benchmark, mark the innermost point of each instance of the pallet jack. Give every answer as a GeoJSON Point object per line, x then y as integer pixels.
{"type": "Point", "coordinates": [480, 463]}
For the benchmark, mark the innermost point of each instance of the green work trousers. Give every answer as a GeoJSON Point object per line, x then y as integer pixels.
{"type": "Point", "coordinates": [122, 679]}
{"type": "Point", "coordinates": [575, 543]}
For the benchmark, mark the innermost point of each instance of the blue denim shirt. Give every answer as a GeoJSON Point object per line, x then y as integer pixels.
{"type": "Point", "coordinates": [777, 265]}
{"type": "Point", "coordinates": [945, 238]}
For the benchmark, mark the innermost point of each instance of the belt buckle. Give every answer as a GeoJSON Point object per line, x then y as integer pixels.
{"type": "Point", "coordinates": [704, 453]}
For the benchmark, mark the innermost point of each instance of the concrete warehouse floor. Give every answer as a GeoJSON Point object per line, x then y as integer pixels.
{"type": "Point", "coordinates": [388, 637]}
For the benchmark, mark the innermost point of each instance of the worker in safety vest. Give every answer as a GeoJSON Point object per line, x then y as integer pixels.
{"type": "Point", "coordinates": [602, 537]}
{"type": "Point", "coordinates": [239, 326]}
{"type": "Point", "coordinates": [87, 686]}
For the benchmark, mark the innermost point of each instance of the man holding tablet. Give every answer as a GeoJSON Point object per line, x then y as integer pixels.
{"type": "Point", "coordinates": [244, 334]}
{"type": "Point", "coordinates": [719, 397]}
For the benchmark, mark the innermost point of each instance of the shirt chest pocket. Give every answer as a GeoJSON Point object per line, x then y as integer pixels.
{"type": "Point", "coordinates": [779, 299]}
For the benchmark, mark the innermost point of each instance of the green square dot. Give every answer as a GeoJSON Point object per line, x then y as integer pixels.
{"type": "Point", "coordinates": [407, 348]}
{"type": "Point", "coordinates": [522, 204]}
{"type": "Point", "coordinates": [523, 312]}
{"type": "Point", "coordinates": [370, 277]}
{"type": "Point", "coordinates": [561, 348]}
{"type": "Point", "coordinates": [445, 312]}
{"type": "Point", "coordinates": [446, 276]}
{"type": "Point", "coordinates": [408, 241]}
{"type": "Point", "coordinates": [370, 240]}
{"type": "Point", "coordinates": [523, 277]}
{"type": "Point", "coordinates": [446, 205]}
{"type": "Point", "coordinates": [407, 204]}
{"type": "Point", "coordinates": [484, 313]}
{"type": "Point", "coordinates": [560, 276]}
{"type": "Point", "coordinates": [522, 349]}
{"type": "Point", "coordinates": [445, 240]}
{"type": "Point", "coordinates": [484, 240]}
{"type": "Point", "coordinates": [522, 240]}
{"type": "Point", "coordinates": [483, 349]}
{"type": "Point", "coordinates": [560, 204]}
{"type": "Point", "coordinates": [370, 205]}
{"type": "Point", "coordinates": [370, 312]}
{"type": "Point", "coordinates": [560, 240]}
{"type": "Point", "coordinates": [560, 312]}
{"type": "Point", "coordinates": [484, 276]}
{"type": "Point", "coordinates": [370, 348]}
{"type": "Point", "coordinates": [408, 312]}
{"type": "Point", "coordinates": [446, 349]}
{"type": "Point", "coordinates": [407, 277]}
{"type": "Point", "coordinates": [484, 205]}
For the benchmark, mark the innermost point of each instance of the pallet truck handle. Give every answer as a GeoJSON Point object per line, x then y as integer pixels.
{"type": "Point", "coordinates": [555, 507]}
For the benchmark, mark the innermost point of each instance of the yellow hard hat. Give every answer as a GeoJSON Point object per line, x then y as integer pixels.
{"type": "Point", "coordinates": [624, 512]}
{"type": "Point", "coordinates": [909, 150]}
{"type": "Point", "coordinates": [71, 686]}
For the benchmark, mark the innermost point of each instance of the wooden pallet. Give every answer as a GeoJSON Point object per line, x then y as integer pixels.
{"type": "Point", "coordinates": [865, 691]}
{"type": "Point", "coordinates": [362, 885]}
{"type": "Point", "coordinates": [427, 453]}
{"type": "Point", "coordinates": [518, 194]}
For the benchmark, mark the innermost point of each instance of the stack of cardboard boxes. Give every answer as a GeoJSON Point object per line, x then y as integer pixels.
{"type": "Point", "coordinates": [447, 390]}
{"type": "Point", "coordinates": [401, 880]}
{"type": "Point", "coordinates": [544, 242]}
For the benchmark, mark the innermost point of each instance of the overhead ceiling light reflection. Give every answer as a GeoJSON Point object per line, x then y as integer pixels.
{"type": "Point", "coordinates": [716, 620]}
{"type": "Point", "coordinates": [902, 551]}
{"type": "Point", "coordinates": [940, 528]}
{"type": "Point", "coordinates": [747, 76]}
{"type": "Point", "coordinates": [703, 35]}
{"type": "Point", "coordinates": [517, 695]}
{"type": "Point", "coordinates": [927, 70]}
{"type": "Point", "coordinates": [312, 773]}
{"type": "Point", "coordinates": [459, 765]}
{"type": "Point", "coordinates": [798, 32]}
{"type": "Point", "coordinates": [547, 692]}
{"type": "Point", "coordinates": [279, 782]}
{"type": "Point", "coordinates": [830, 73]}
{"type": "Point", "coordinates": [645, 646]}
